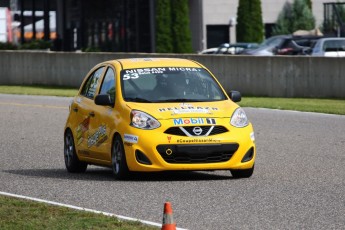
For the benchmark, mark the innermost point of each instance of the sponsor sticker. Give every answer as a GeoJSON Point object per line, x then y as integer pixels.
{"type": "Point", "coordinates": [180, 111]}
{"type": "Point", "coordinates": [136, 73]}
{"type": "Point", "coordinates": [194, 121]}
{"type": "Point", "coordinates": [188, 109]}
{"type": "Point", "coordinates": [211, 121]}
{"type": "Point", "coordinates": [188, 121]}
{"type": "Point", "coordinates": [130, 138]}
{"type": "Point", "coordinates": [198, 140]}
{"type": "Point", "coordinates": [81, 129]}
{"type": "Point", "coordinates": [98, 137]}
{"type": "Point", "coordinates": [252, 136]}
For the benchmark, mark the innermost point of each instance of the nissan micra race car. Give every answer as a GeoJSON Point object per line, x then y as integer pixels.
{"type": "Point", "coordinates": [145, 115]}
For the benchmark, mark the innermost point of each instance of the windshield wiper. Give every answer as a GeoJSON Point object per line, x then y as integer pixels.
{"type": "Point", "coordinates": [137, 99]}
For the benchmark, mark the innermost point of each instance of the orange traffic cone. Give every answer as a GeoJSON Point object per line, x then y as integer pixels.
{"type": "Point", "coordinates": [168, 220]}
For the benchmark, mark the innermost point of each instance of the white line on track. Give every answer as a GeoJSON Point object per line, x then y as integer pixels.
{"type": "Point", "coordinates": [84, 209]}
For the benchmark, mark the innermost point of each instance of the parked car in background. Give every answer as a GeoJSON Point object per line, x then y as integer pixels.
{"type": "Point", "coordinates": [209, 51]}
{"type": "Point", "coordinates": [284, 45]}
{"type": "Point", "coordinates": [230, 48]}
{"type": "Point", "coordinates": [329, 47]}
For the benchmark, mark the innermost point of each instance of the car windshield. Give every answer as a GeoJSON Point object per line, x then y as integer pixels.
{"type": "Point", "coordinates": [272, 42]}
{"type": "Point", "coordinates": [169, 84]}
{"type": "Point", "coordinates": [334, 45]}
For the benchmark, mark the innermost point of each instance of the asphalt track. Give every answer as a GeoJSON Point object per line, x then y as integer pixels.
{"type": "Point", "coordinates": [298, 183]}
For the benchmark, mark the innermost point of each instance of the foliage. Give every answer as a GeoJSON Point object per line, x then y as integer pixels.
{"type": "Point", "coordinates": [297, 16]}
{"type": "Point", "coordinates": [91, 49]}
{"type": "Point", "coordinates": [249, 26]}
{"type": "Point", "coordinates": [180, 26]}
{"type": "Point", "coordinates": [309, 4]}
{"type": "Point", "coordinates": [172, 27]}
{"type": "Point", "coordinates": [164, 42]}
{"type": "Point", "coordinates": [7, 46]}
{"type": "Point", "coordinates": [30, 45]}
{"type": "Point", "coordinates": [285, 19]}
{"type": "Point", "coordinates": [303, 18]}
{"type": "Point", "coordinates": [36, 45]}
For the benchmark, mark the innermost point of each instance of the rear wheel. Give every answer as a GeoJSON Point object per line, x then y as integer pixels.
{"type": "Point", "coordinates": [118, 159]}
{"type": "Point", "coordinates": [242, 173]}
{"type": "Point", "coordinates": [72, 163]}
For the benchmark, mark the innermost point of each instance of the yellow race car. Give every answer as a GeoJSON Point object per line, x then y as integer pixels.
{"type": "Point", "coordinates": [156, 114]}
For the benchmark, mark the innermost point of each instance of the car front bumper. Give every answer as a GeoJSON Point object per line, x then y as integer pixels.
{"type": "Point", "coordinates": [154, 150]}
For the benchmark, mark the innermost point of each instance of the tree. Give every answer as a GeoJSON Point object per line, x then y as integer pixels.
{"type": "Point", "coordinates": [303, 18]}
{"type": "Point", "coordinates": [172, 27]}
{"type": "Point", "coordinates": [249, 26]}
{"type": "Point", "coordinates": [309, 4]}
{"type": "Point", "coordinates": [297, 16]}
{"type": "Point", "coordinates": [182, 41]}
{"type": "Point", "coordinates": [285, 19]}
{"type": "Point", "coordinates": [164, 42]}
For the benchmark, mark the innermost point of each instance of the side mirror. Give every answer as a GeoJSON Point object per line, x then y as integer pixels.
{"type": "Point", "coordinates": [235, 96]}
{"type": "Point", "coordinates": [103, 99]}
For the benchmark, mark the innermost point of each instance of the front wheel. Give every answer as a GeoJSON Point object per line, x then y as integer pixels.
{"type": "Point", "coordinates": [242, 173]}
{"type": "Point", "coordinates": [118, 159]}
{"type": "Point", "coordinates": [72, 163]}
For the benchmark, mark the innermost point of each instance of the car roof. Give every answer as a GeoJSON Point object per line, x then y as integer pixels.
{"type": "Point", "coordinates": [132, 63]}
{"type": "Point", "coordinates": [332, 39]}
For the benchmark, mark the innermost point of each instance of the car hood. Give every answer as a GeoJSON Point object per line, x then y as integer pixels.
{"type": "Point", "coordinates": [186, 110]}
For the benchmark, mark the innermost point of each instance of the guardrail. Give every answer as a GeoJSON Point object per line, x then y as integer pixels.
{"type": "Point", "coordinates": [276, 76]}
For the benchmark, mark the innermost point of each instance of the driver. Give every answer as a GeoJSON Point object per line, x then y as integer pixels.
{"type": "Point", "coordinates": [162, 88]}
{"type": "Point", "coordinates": [180, 85]}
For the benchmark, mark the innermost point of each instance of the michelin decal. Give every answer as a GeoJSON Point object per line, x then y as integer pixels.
{"type": "Point", "coordinates": [130, 138]}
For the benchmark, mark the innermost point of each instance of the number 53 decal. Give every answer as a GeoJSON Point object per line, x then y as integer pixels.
{"type": "Point", "coordinates": [130, 76]}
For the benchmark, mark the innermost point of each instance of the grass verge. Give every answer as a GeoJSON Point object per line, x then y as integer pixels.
{"type": "Point", "coordinates": [331, 106]}
{"type": "Point", "coordinates": [18, 214]}
{"type": "Point", "coordinates": [39, 90]}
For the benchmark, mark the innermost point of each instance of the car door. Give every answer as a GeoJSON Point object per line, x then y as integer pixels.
{"type": "Point", "coordinates": [102, 122]}
{"type": "Point", "coordinates": [83, 107]}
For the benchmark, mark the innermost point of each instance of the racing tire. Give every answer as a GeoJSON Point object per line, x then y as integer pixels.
{"type": "Point", "coordinates": [242, 173]}
{"type": "Point", "coordinates": [72, 163]}
{"type": "Point", "coordinates": [118, 160]}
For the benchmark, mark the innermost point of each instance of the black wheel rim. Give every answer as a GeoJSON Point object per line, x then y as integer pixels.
{"type": "Point", "coordinates": [69, 148]}
{"type": "Point", "coordinates": [116, 157]}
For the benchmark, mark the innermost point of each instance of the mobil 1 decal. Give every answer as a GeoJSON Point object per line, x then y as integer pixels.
{"type": "Point", "coordinates": [194, 121]}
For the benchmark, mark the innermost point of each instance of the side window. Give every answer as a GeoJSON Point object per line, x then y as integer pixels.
{"type": "Point", "coordinates": [89, 88]}
{"type": "Point", "coordinates": [108, 85]}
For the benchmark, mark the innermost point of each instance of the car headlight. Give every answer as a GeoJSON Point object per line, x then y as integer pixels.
{"type": "Point", "coordinates": [142, 120]}
{"type": "Point", "coordinates": [239, 118]}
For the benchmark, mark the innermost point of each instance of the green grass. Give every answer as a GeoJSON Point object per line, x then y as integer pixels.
{"type": "Point", "coordinates": [23, 214]}
{"type": "Point", "coordinates": [332, 106]}
{"type": "Point", "coordinates": [39, 90]}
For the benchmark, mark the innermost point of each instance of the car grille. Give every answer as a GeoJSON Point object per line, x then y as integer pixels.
{"type": "Point", "coordinates": [188, 130]}
{"type": "Point", "coordinates": [187, 154]}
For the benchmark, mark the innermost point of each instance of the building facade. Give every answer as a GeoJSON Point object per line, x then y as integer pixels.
{"type": "Point", "coordinates": [129, 25]}
{"type": "Point", "coordinates": [219, 18]}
